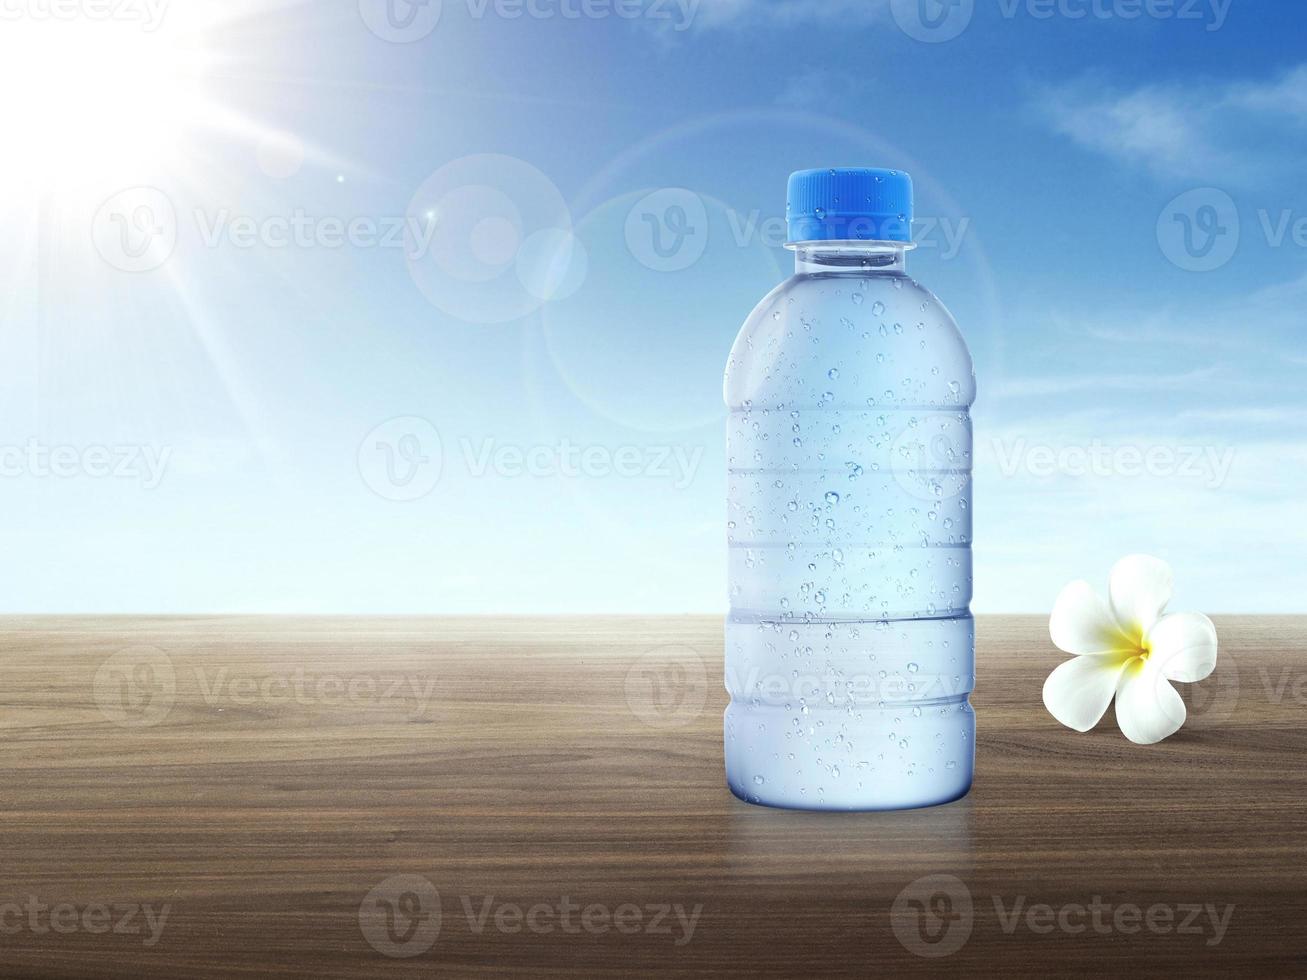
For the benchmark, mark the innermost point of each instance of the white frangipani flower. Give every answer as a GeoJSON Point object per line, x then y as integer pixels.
{"type": "Point", "coordinates": [1127, 647]}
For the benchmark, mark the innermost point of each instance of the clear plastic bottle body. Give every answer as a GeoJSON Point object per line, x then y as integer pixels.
{"type": "Point", "coordinates": [850, 646]}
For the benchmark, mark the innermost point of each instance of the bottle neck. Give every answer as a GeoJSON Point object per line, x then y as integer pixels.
{"type": "Point", "coordinates": [850, 258]}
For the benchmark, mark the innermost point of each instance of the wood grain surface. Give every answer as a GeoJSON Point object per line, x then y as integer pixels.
{"type": "Point", "coordinates": [318, 797]}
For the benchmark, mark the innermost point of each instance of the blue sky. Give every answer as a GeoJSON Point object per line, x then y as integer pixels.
{"type": "Point", "coordinates": [471, 381]}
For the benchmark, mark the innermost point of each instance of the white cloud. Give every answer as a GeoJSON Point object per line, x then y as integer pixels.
{"type": "Point", "coordinates": [741, 14]}
{"type": "Point", "coordinates": [1279, 415]}
{"type": "Point", "coordinates": [1270, 321]}
{"type": "Point", "coordinates": [1235, 131]}
{"type": "Point", "coordinates": [1059, 384]}
{"type": "Point", "coordinates": [1063, 496]}
{"type": "Point", "coordinates": [818, 87]}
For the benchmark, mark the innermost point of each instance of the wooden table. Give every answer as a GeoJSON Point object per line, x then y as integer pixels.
{"type": "Point", "coordinates": [187, 797]}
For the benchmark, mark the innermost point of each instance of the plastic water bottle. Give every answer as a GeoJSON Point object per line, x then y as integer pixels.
{"type": "Point", "coordinates": [850, 645]}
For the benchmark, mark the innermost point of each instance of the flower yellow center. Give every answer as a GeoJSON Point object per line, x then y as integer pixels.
{"type": "Point", "coordinates": [1137, 647]}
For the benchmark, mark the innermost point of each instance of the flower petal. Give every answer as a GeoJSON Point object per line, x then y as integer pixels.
{"type": "Point", "coordinates": [1148, 709]}
{"type": "Point", "coordinates": [1139, 588]}
{"type": "Point", "coordinates": [1184, 646]}
{"type": "Point", "coordinates": [1081, 622]}
{"type": "Point", "coordinates": [1079, 691]}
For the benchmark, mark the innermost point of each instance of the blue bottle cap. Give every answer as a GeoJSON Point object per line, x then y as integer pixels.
{"type": "Point", "coordinates": [849, 204]}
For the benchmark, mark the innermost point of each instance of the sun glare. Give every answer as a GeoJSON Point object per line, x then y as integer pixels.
{"type": "Point", "coordinates": [86, 101]}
